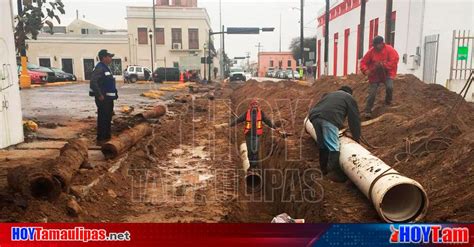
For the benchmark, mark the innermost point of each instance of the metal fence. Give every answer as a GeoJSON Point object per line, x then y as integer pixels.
{"type": "Point", "coordinates": [462, 55]}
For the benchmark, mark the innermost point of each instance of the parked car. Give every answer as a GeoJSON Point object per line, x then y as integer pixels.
{"type": "Point", "coordinates": [166, 74]}
{"type": "Point", "coordinates": [270, 72]}
{"type": "Point", "coordinates": [63, 76]}
{"type": "Point", "coordinates": [277, 74]}
{"type": "Point", "coordinates": [136, 73]}
{"type": "Point", "coordinates": [237, 74]}
{"type": "Point", "coordinates": [51, 75]}
{"type": "Point", "coordinates": [294, 75]}
{"type": "Point", "coordinates": [37, 77]}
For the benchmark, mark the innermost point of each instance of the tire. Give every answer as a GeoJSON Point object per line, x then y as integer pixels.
{"type": "Point", "coordinates": [133, 79]}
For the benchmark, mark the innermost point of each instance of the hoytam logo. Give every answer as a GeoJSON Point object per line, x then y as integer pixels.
{"type": "Point", "coordinates": [74, 234]}
{"type": "Point", "coordinates": [429, 234]}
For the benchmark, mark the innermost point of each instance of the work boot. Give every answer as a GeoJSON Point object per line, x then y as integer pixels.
{"type": "Point", "coordinates": [335, 172]}
{"type": "Point", "coordinates": [323, 161]}
{"type": "Point", "coordinates": [367, 115]}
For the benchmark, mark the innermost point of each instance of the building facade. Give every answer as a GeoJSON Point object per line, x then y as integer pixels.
{"type": "Point", "coordinates": [426, 33]}
{"type": "Point", "coordinates": [11, 128]}
{"type": "Point", "coordinates": [276, 61]}
{"type": "Point", "coordinates": [180, 40]}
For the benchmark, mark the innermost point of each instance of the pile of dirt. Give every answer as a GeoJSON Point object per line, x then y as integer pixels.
{"type": "Point", "coordinates": [427, 135]}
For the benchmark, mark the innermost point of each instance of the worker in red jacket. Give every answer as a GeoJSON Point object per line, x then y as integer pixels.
{"type": "Point", "coordinates": [380, 65]}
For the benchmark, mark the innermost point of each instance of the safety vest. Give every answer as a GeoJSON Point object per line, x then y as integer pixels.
{"type": "Point", "coordinates": [248, 122]}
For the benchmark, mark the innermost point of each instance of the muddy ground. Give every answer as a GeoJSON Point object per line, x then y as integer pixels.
{"type": "Point", "coordinates": [189, 171]}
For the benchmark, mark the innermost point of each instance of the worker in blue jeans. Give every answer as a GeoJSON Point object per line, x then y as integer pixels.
{"type": "Point", "coordinates": [327, 117]}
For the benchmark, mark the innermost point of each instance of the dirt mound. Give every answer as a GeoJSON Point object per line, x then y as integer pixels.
{"type": "Point", "coordinates": [427, 135]}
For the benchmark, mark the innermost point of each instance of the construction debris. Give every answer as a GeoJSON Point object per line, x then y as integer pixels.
{"type": "Point", "coordinates": [73, 208]}
{"type": "Point", "coordinates": [285, 218]}
{"type": "Point", "coordinates": [153, 94]}
{"type": "Point", "coordinates": [30, 126]}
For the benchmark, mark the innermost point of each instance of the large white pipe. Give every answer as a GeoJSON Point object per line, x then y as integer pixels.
{"type": "Point", "coordinates": [253, 180]}
{"type": "Point", "coordinates": [396, 198]}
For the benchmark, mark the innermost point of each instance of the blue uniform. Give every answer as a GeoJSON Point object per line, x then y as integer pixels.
{"type": "Point", "coordinates": [103, 84]}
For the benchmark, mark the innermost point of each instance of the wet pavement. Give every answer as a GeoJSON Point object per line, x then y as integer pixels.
{"type": "Point", "coordinates": [68, 102]}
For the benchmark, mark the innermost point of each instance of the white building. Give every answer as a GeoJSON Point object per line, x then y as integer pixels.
{"type": "Point", "coordinates": [422, 34]}
{"type": "Point", "coordinates": [180, 37]}
{"type": "Point", "coordinates": [180, 40]}
{"type": "Point", "coordinates": [11, 128]}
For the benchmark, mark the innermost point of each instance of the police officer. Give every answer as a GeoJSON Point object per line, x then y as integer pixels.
{"type": "Point", "coordinates": [102, 87]}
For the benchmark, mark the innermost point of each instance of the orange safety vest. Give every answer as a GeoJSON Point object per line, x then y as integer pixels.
{"type": "Point", "coordinates": [248, 122]}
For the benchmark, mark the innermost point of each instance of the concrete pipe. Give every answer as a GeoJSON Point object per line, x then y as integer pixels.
{"type": "Point", "coordinates": [253, 179]}
{"type": "Point", "coordinates": [396, 198]}
{"type": "Point", "coordinates": [156, 112]}
{"type": "Point", "coordinates": [127, 139]}
{"type": "Point", "coordinates": [50, 178]}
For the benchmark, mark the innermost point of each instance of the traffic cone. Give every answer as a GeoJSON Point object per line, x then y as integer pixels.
{"type": "Point", "coordinates": [181, 77]}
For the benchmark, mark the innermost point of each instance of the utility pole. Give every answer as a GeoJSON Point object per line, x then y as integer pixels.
{"type": "Point", "coordinates": [248, 61]}
{"type": "Point", "coordinates": [208, 59]}
{"type": "Point", "coordinates": [361, 30]}
{"type": "Point", "coordinates": [258, 54]}
{"type": "Point", "coordinates": [326, 39]}
{"type": "Point", "coordinates": [388, 22]}
{"type": "Point", "coordinates": [25, 80]}
{"type": "Point", "coordinates": [280, 31]}
{"type": "Point", "coordinates": [302, 33]}
{"type": "Point", "coordinates": [221, 58]}
{"type": "Point", "coordinates": [154, 33]}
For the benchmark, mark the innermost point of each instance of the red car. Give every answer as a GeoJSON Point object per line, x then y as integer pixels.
{"type": "Point", "coordinates": [37, 77]}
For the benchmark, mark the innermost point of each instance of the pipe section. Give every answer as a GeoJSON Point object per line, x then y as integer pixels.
{"type": "Point", "coordinates": [253, 179]}
{"type": "Point", "coordinates": [395, 197]}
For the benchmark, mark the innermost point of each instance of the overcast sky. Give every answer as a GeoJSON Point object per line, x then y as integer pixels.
{"type": "Point", "coordinates": [255, 13]}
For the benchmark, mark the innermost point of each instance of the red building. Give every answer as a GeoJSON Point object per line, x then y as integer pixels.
{"type": "Point", "coordinates": [276, 61]}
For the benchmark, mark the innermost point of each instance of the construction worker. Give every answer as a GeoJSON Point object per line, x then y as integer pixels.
{"type": "Point", "coordinates": [327, 117]}
{"type": "Point", "coordinates": [253, 130]}
{"type": "Point", "coordinates": [380, 65]}
{"type": "Point", "coordinates": [103, 88]}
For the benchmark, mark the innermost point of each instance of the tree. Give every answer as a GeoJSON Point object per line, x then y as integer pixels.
{"type": "Point", "coordinates": [36, 14]}
{"type": "Point", "coordinates": [308, 43]}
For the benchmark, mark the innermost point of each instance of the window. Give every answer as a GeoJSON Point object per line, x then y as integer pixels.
{"type": "Point", "coordinates": [160, 36]}
{"type": "Point", "coordinates": [131, 69]}
{"type": "Point", "coordinates": [45, 62]}
{"type": "Point", "coordinates": [373, 31]}
{"type": "Point", "coordinates": [116, 66]}
{"type": "Point", "coordinates": [142, 36]}
{"type": "Point", "coordinates": [193, 38]}
{"type": "Point", "coordinates": [271, 63]}
{"type": "Point", "coordinates": [139, 69]}
{"type": "Point", "coordinates": [289, 63]}
{"type": "Point", "coordinates": [84, 31]}
{"type": "Point", "coordinates": [392, 30]}
{"type": "Point", "coordinates": [176, 36]}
